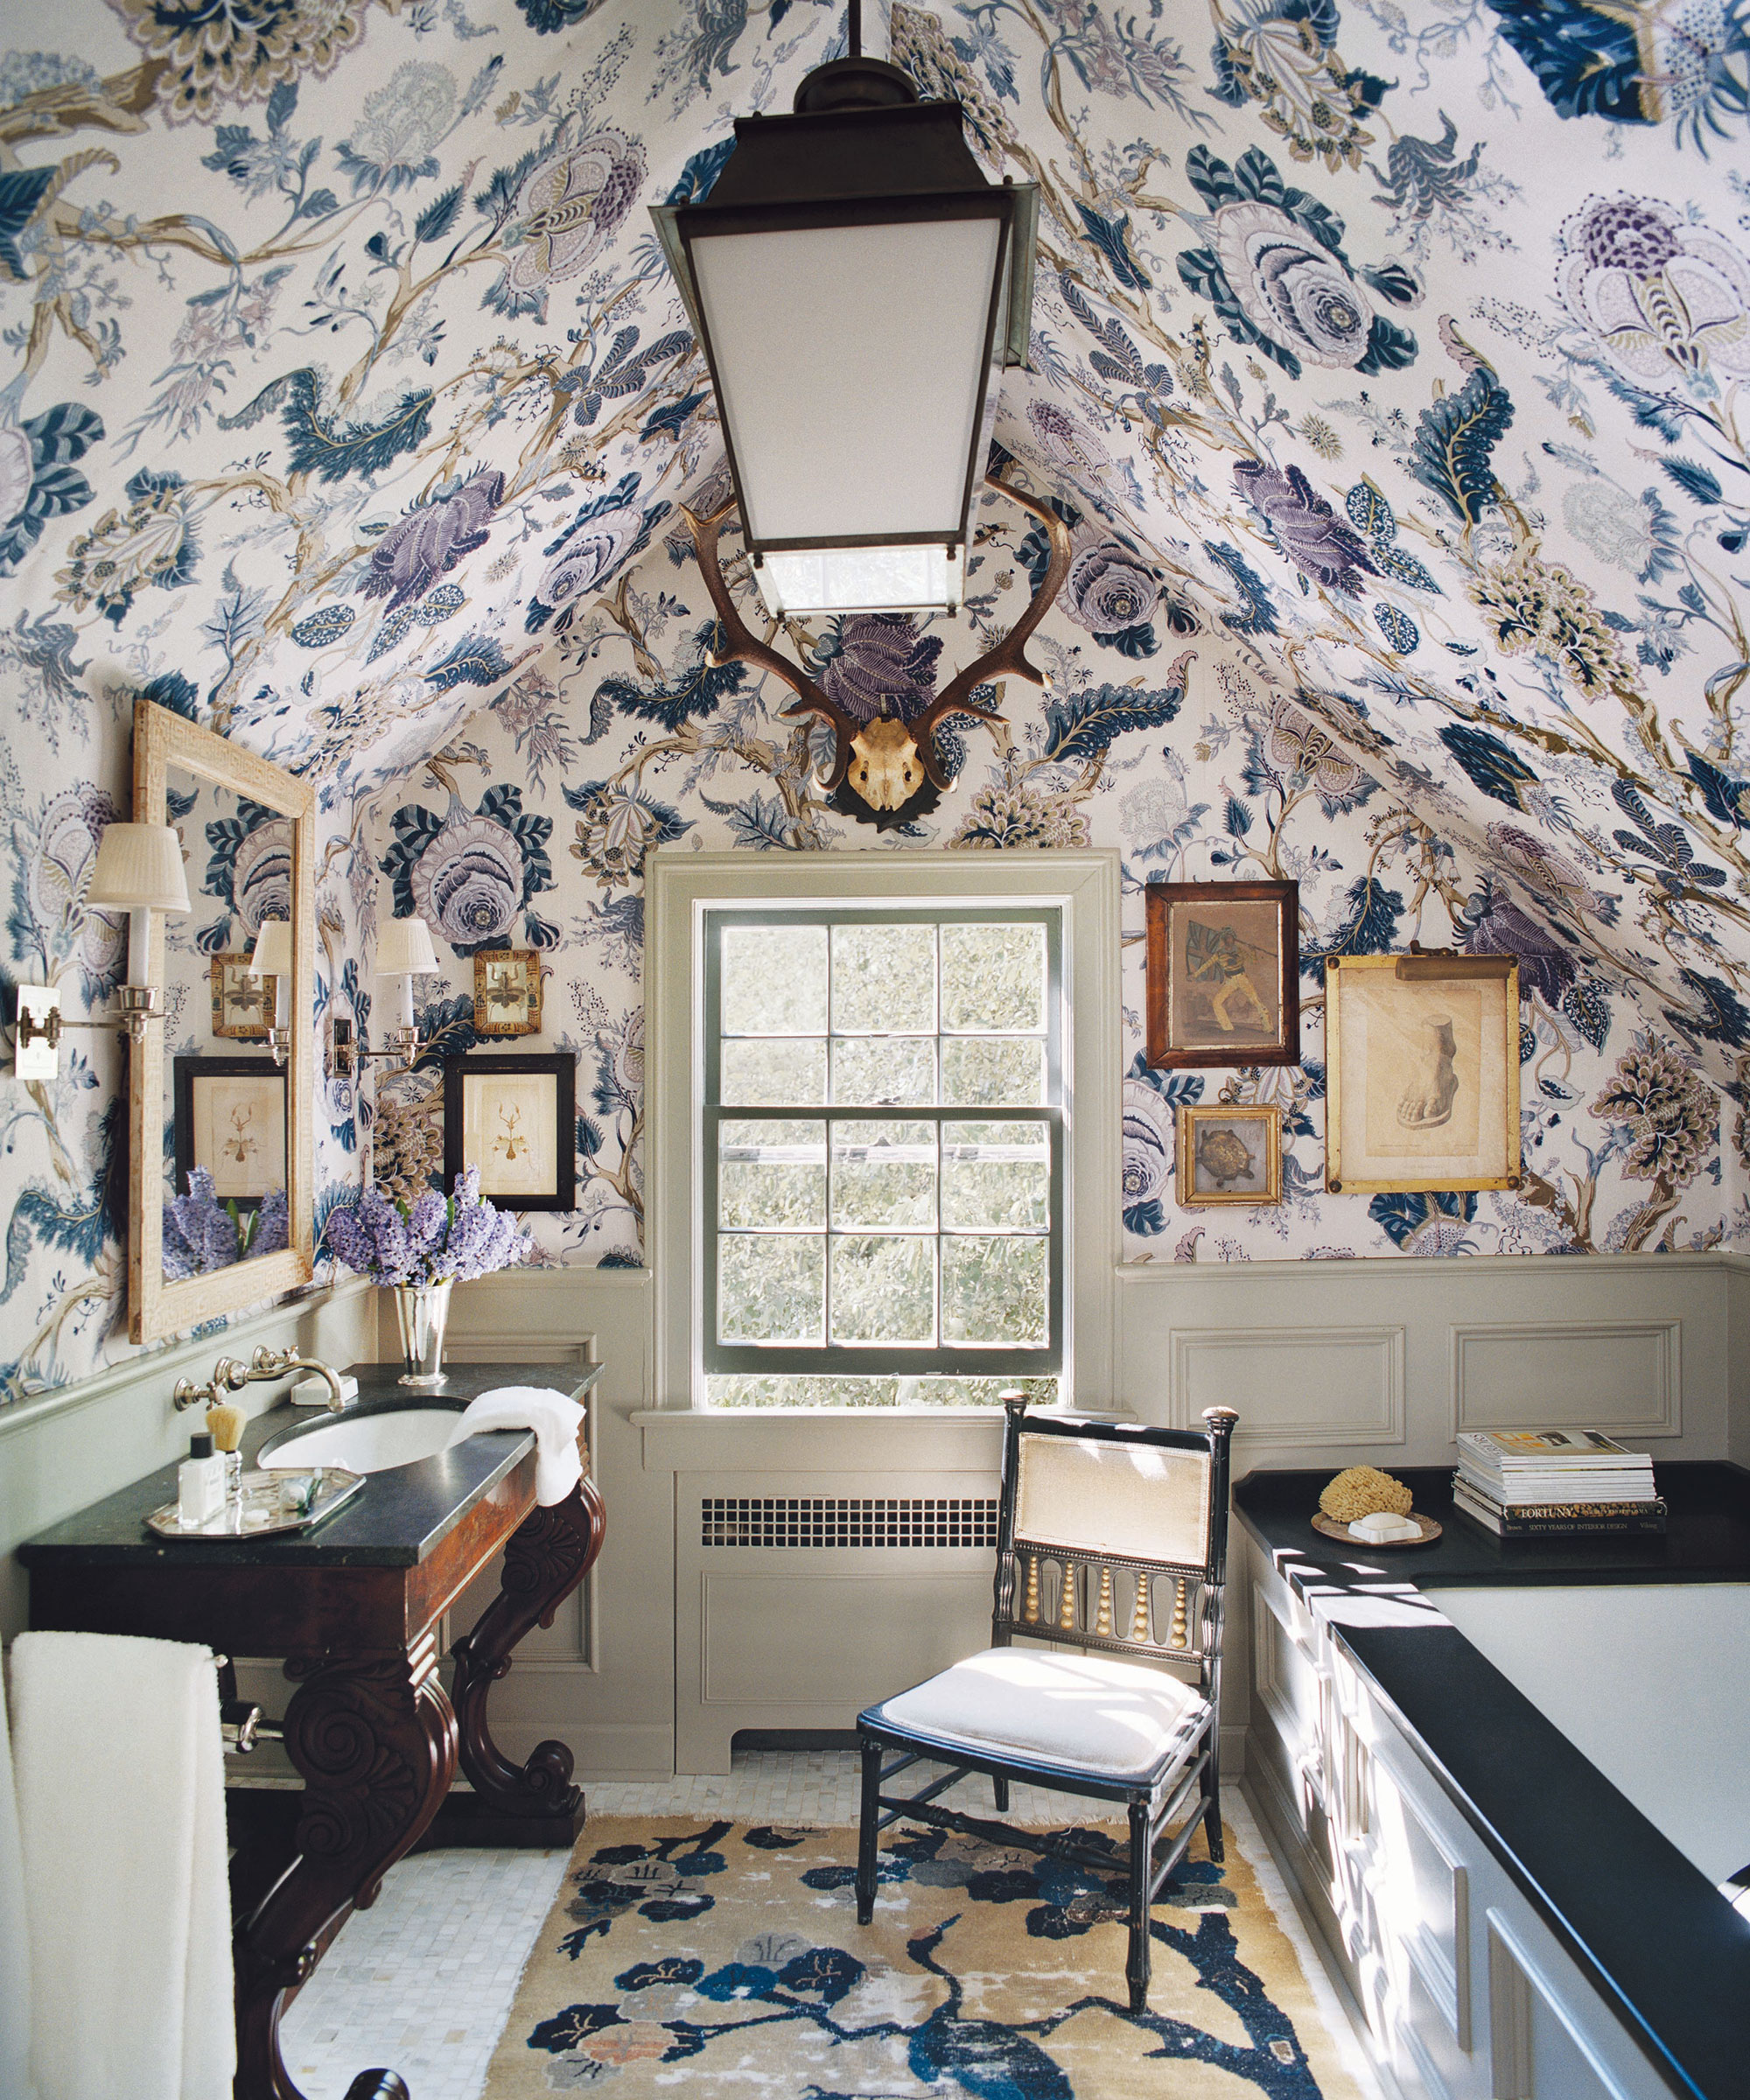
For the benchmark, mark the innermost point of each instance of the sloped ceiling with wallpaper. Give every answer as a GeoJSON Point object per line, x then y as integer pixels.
{"type": "Point", "coordinates": [1393, 360]}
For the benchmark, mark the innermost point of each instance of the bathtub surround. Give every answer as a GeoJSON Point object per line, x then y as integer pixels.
{"type": "Point", "coordinates": [1499, 1909]}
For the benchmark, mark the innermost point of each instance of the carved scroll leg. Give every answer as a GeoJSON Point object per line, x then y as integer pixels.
{"type": "Point", "coordinates": [376, 1743]}
{"type": "Point", "coordinates": [548, 1556]}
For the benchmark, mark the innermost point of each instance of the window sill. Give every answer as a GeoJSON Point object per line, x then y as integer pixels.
{"type": "Point", "coordinates": [824, 1440]}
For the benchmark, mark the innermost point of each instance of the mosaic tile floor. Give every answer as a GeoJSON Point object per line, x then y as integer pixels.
{"type": "Point", "coordinates": [424, 1981]}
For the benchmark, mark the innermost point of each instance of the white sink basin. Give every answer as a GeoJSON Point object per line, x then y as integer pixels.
{"type": "Point", "coordinates": [369, 1444]}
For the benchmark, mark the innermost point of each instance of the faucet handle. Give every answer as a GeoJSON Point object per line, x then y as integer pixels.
{"type": "Point", "coordinates": [186, 1394]}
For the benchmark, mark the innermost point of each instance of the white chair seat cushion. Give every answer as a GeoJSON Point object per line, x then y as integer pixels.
{"type": "Point", "coordinates": [1086, 1713]}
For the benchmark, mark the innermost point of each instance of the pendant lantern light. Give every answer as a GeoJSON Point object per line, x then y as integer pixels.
{"type": "Point", "coordinates": [857, 287]}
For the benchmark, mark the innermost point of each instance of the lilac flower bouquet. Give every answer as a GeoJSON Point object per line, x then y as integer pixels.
{"type": "Point", "coordinates": [200, 1234]}
{"type": "Point", "coordinates": [436, 1239]}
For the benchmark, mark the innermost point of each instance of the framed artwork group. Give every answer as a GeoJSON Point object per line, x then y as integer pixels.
{"type": "Point", "coordinates": [1422, 1050]}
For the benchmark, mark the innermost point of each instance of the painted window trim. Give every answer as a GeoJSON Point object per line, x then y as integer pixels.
{"type": "Point", "coordinates": [682, 885]}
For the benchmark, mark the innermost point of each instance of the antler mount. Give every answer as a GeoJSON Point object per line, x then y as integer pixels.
{"type": "Point", "coordinates": [887, 770]}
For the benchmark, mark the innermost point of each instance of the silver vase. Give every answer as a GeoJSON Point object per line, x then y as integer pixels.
{"type": "Point", "coordinates": [422, 1312]}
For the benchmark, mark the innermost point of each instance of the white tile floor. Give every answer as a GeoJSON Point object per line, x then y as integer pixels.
{"type": "Point", "coordinates": [423, 1982]}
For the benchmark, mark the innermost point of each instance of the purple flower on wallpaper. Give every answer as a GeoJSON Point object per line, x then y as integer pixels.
{"type": "Point", "coordinates": [877, 663]}
{"type": "Point", "coordinates": [468, 882]}
{"type": "Point", "coordinates": [433, 1240]}
{"type": "Point", "coordinates": [1305, 526]}
{"type": "Point", "coordinates": [1501, 928]}
{"type": "Point", "coordinates": [1654, 291]}
{"type": "Point", "coordinates": [429, 541]}
{"type": "Point", "coordinates": [1108, 589]}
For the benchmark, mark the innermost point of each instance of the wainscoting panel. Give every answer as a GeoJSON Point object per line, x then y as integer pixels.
{"type": "Point", "coordinates": [1342, 1385]}
{"type": "Point", "coordinates": [1626, 1375]}
{"type": "Point", "coordinates": [1387, 1359]}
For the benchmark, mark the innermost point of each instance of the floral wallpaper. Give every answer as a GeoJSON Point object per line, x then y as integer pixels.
{"type": "Point", "coordinates": [1389, 361]}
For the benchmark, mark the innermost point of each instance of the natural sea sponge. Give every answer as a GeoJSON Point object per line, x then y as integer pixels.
{"type": "Point", "coordinates": [1359, 1490]}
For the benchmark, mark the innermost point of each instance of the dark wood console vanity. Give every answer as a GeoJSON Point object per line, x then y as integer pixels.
{"type": "Point", "coordinates": [353, 1609]}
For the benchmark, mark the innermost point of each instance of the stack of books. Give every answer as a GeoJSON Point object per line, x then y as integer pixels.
{"type": "Point", "coordinates": [1552, 1483]}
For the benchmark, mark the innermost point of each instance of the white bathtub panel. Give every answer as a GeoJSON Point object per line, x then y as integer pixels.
{"type": "Point", "coordinates": [1652, 1684]}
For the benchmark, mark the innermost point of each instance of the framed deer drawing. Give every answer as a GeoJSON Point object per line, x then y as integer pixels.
{"type": "Point", "coordinates": [886, 770]}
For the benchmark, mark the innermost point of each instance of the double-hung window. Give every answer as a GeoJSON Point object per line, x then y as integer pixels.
{"type": "Point", "coordinates": [883, 1151]}
{"type": "Point", "coordinates": [882, 1140]}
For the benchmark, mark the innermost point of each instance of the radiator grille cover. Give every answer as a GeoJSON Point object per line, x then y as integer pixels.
{"type": "Point", "coordinates": [822, 1522]}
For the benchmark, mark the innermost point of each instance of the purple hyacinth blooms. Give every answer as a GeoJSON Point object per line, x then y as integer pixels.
{"type": "Point", "coordinates": [200, 1236]}
{"type": "Point", "coordinates": [431, 1241]}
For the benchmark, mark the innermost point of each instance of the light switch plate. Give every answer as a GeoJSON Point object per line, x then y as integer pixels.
{"type": "Point", "coordinates": [38, 1059]}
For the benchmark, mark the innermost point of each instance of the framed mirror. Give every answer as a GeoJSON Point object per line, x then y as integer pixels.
{"type": "Point", "coordinates": [221, 1147]}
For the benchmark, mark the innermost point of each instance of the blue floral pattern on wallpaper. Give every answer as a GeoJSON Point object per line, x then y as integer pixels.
{"type": "Point", "coordinates": [1387, 365]}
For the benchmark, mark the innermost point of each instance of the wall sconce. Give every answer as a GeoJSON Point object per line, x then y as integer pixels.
{"type": "Point", "coordinates": [404, 951]}
{"type": "Point", "coordinates": [272, 958]}
{"type": "Point", "coordinates": [138, 870]}
{"type": "Point", "coordinates": [857, 286]}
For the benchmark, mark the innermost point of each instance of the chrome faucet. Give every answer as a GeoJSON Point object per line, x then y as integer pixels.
{"type": "Point", "coordinates": [230, 1376]}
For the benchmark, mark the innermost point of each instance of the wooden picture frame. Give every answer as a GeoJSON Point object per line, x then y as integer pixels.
{"type": "Point", "coordinates": [234, 995]}
{"type": "Point", "coordinates": [230, 1118]}
{"type": "Point", "coordinates": [515, 1119]}
{"type": "Point", "coordinates": [159, 1305]}
{"type": "Point", "coordinates": [1422, 1072]}
{"type": "Point", "coordinates": [507, 991]}
{"type": "Point", "coordinates": [1211, 1170]}
{"type": "Point", "coordinates": [1223, 973]}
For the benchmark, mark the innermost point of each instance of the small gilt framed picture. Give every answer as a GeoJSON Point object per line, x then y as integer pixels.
{"type": "Point", "coordinates": [230, 1118]}
{"type": "Point", "coordinates": [515, 1119]}
{"type": "Point", "coordinates": [507, 991]}
{"type": "Point", "coordinates": [1422, 1072]}
{"type": "Point", "coordinates": [242, 1005]}
{"type": "Point", "coordinates": [1230, 1154]}
{"type": "Point", "coordinates": [1223, 973]}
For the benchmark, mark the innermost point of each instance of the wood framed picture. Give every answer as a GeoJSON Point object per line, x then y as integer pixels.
{"type": "Point", "coordinates": [1223, 973]}
{"type": "Point", "coordinates": [507, 991]}
{"type": "Point", "coordinates": [229, 1116]}
{"type": "Point", "coordinates": [1230, 1154]}
{"type": "Point", "coordinates": [242, 1005]}
{"type": "Point", "coordinates": [1422, 1072]}
{"type": "Point", "coordinates": [515, 1119]}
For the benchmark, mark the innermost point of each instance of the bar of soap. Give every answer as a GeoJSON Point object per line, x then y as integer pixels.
{"type": "Point", "coordinates": [313, 1392]}
{"type": "Point", "coordinates": [1383, 1526]}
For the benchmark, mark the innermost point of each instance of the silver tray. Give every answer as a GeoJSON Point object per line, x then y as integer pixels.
{"type": "Point", "coordinates": [260, 1514]}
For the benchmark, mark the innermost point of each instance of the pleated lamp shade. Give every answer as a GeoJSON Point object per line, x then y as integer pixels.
{"type": "Point", "coordinates": [139, 866]}
{"type": "Point", "coordinates": [404, 949]}
{"type": "Point", "coordinates": [272, 957]}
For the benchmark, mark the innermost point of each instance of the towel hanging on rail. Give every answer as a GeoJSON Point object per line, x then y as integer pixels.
{"type": "Point", "coordinates": [15, 1950]}
{"type": "Point", "coordinates": [121, 1793]}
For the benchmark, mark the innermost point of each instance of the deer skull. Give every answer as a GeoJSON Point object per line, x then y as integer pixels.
{"type": "Point", "coordinates": [885, 769]}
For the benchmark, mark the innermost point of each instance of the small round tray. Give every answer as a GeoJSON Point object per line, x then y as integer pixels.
{"type": "Point", "coordinates": [258, 1515]}
{"type": "Point", "coordinates": [1327, 1528]}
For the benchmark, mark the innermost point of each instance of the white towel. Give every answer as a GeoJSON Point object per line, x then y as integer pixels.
{"type": "Point", "coordinates": [15, 1947]}
{"type": "Point", "coordinates": [120, 1791]}
{"type": "Point", "coordinates": [556, 1422]}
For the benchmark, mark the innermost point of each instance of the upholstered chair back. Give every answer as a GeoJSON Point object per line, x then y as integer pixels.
{"type": "Point", "coordinates": [1113, 1537]}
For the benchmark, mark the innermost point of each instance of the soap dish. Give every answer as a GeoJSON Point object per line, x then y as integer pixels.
{"type": "Point", "coordinates": [262, 1512]}
{"type": "Point", "coordinates": [1326, 1528]}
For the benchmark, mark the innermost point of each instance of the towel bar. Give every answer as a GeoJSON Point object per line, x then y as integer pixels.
{"type": "Point", "coordinates": [241, 1721]}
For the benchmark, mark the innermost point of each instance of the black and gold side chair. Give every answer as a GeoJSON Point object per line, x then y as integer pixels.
{"type": "Point", "coordinates": [1111, 1552]}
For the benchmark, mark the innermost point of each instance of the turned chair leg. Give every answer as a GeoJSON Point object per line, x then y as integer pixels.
{"type": "Point", "coordinates": [867, 1834]}
{"type": "Point", "coordinates": [1142, 1873]}
{"type": "Point", "coordinates": [1000, 1788]}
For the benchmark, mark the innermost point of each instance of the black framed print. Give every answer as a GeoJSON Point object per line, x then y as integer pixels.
{"type": "Point", "coordinates": [229, 1116]}
{"type": "Point", "coordinates": [515, 1119]}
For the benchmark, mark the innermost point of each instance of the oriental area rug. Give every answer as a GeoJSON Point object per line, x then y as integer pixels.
{"type": "Point", "coordinates": [724, 1960]}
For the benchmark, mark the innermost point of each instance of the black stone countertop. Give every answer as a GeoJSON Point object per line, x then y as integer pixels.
{"type": "Point", "coordinates": [395, 1520]}
{"type": "Point", "coordinates": [1660, 1943]}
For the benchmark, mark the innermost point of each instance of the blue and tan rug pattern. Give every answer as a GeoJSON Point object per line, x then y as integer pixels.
{"type": "Point", "coordinates": [724, 1960]}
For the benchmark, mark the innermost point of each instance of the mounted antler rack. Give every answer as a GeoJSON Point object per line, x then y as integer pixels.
{"type": "Point", "coordinates": [887, 771]}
